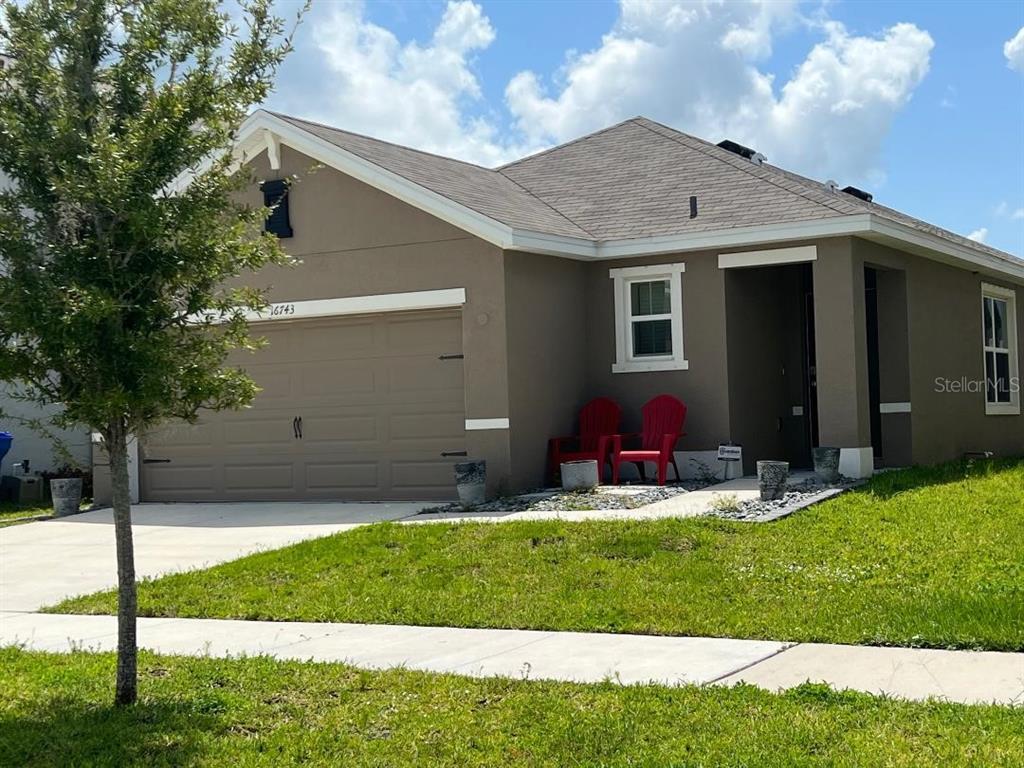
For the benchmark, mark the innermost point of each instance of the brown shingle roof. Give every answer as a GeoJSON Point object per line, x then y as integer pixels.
{"type": "Point", "coordinates": [481, 189]}
{"type": "Point", "coordinates": [629, 181]}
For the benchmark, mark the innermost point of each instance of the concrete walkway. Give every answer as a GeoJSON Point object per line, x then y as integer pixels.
{"type": "Point", "coordinates": [958, 676]}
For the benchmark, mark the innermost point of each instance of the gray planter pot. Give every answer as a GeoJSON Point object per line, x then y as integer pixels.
{"type": "Point", "coordinates": [772, 477]}
{"type": "Point", "coordinates": [67, 495]}
{"type": "Point", "coordinates": [579, 475]}
{"type": "Point", "coordinates": [471, 482]}
{"type": "Point", "coordinates": [826, 464]}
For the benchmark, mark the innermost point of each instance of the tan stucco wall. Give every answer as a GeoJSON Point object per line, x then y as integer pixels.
{"type": "Point", "coordinates": [547, 347]}
{"type": "Point", "coordinates": [944, 318]}
{"type": "Point", "coordinates": [354, 240]}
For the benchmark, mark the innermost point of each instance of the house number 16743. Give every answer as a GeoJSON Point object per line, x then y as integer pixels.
{"type": "Point", "coordinates": [278, 310]}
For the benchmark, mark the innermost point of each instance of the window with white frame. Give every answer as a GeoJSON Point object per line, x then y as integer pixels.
{"type": "Point", "coordinates": [649, 318]}
{"type": "Point", "coordinates": [999, 325]}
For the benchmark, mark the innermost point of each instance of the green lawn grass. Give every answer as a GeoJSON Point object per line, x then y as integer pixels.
{"type": "Point", "coordinates": [207, 712]}
{"type": "Point", "coordinates": [924, 557]}
{"type": "Point", "coordinates": [14, 513]}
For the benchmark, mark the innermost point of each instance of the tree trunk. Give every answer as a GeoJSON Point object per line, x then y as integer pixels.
{"type": "Point", "coordinates": [127, 604]}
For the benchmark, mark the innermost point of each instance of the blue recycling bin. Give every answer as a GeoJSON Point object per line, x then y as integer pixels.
{"type": "Point", "coordinates": [6, 440]}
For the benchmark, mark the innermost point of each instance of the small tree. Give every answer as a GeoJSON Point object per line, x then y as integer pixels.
{"type": "Point", "coordinates": [115, 288]}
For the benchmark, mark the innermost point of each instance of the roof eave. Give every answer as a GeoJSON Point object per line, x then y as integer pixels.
{"type": "Point", "coordinates": [252, 139]}
{"type": "Point", "coordinates": [940, 249]}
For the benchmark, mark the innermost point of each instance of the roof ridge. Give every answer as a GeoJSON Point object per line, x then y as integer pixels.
{"type": "Point", "coordinates": [544, 202]}
{"type": "Point", "coordinates": [407, 148]}
{"type": "Point", "coordinates": [577, 140]}
{"type": "Point", "coordinates": [749, 171]}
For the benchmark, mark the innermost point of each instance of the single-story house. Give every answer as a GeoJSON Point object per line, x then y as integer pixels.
{"type": "Point", "coordinates": [443, 309]}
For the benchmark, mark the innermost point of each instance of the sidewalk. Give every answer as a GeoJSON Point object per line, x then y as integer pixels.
{"type": "Point", "coordinates": [958, 676]}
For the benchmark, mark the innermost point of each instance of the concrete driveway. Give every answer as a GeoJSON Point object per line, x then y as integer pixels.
{"type": "Point", "coordinates": [42, 563]}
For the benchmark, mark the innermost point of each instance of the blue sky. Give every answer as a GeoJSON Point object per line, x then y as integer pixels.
{"type": "Point", "coordinates": [921, 103]}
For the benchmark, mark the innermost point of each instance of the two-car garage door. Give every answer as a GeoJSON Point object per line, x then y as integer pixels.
{"type": "Point", "coordinates": [350, 408]}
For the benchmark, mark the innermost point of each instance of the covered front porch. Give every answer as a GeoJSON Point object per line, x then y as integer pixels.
{"type": "Point", "coordinates": [817, 354]}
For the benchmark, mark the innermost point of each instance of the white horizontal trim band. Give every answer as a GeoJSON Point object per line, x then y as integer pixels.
{"type": "Point", "coordinates": [894, 407]}
{"type": "Point", "coordinates": [362, 305]}
{"type": "Point", "coordinates": [769, 257]}
{"type": "Point", "coordinates": [479, 424]}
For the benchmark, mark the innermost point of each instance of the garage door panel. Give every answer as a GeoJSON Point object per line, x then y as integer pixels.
{"type": "Point", "coordinates": [260, 476]}
{"type": "Point", "coordinates": [185, 435]}
{"type": "Point", "coordinates": [424, 375]}
{"type": "Point", "coordinates": [354, 432]}
{"type": "Point", "coordinates": [338, 380]}
{"type": "Point", "coordinates": [441, 429]}
{"type": "Point", "coordinates": [422, 476]}
{"type": "Point", "coordinates": [257, 434]}
{"type": "Point", "coordinates": [198, 480]}
{"type": "Point", "coordinates": [331, 342]}
{"type": "Point", "coordinates": [341, 476]}
{"type": "Point", "coordinates": [377, 406]}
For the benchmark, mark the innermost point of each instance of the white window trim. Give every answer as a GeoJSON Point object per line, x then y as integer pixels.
{"type": "Point", "coordinates": [1008, 295]}
{"type": "Point", "coordinates": [622, 277]}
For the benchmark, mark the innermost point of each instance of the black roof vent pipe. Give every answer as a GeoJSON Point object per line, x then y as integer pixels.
{"type": "Point", "coordinates": [865, 196]}
{"type": "Point", "coordinates": [737, 149]}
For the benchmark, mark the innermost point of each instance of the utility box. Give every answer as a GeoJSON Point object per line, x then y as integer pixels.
{"type": "Point", "coordinates": [21, 489]}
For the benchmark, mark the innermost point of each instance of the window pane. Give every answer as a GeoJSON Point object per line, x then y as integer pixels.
{"type": "Point", "coordinates": [988, 322]}
{"type": "Point", "coordinates": [652, 337]}
{"type": "Point", "coordinates": [1000, 312]}
{"type": "Point", "coordinates": [1003, 394]}
{"type": "Point", "coordinates": [650, 298]}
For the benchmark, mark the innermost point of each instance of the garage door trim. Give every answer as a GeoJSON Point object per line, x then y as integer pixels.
{"type": "Point", "coordinates": [445, 298]}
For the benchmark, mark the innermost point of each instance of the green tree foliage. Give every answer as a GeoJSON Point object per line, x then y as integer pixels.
{"type": "Point", "coordinates": [122, 238]}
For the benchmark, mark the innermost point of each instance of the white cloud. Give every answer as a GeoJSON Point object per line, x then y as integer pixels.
{"type": "Point", "coordinates": [978, 235]}
{"type": "Point", "coordinates": [1013, 50]}
{"type": "Point", "coordinates": [365, 80]}
{"type": "Point", "coordinates": [694, 65]}
{"type": "Point", "coordinates": [691, 66]}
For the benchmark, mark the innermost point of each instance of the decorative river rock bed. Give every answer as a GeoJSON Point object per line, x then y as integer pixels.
{"type": "Point", "coordinates": [801, 495]}
{"type": "Point", "coordinates": [604, 497]}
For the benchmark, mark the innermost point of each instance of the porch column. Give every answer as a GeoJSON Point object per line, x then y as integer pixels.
{"type": "Point", "coordinates": [841, 357]}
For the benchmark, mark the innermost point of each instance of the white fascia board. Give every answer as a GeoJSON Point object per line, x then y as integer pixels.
{"type": "Point", "coordinates": [769, 257]}
{"type": "Point", "coordinates": [554, 245]}
{"type": "Point", "coordinates": [953, 253]}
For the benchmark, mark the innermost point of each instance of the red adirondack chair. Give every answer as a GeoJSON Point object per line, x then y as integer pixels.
{"type": "Point", "coordinates": [663, 419]}
{"type": "Point", "coordinates": [599, 420]}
